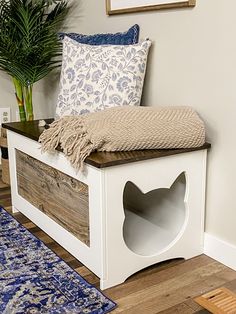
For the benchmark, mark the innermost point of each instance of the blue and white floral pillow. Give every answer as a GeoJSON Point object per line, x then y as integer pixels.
{"type": "Point", "coordinates": [94, 78]}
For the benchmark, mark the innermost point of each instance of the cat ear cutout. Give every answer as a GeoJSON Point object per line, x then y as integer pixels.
{"type": "Point", "coordinates": [153, 220]}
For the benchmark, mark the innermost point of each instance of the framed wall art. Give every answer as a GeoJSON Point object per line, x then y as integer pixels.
{"type": "Point", "coordinates": [128, 6]}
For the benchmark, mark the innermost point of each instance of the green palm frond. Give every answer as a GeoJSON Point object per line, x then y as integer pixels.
{"type": "Point", "coordinates": [29, 45]}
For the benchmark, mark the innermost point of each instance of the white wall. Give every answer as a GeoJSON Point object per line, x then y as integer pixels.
{"type": "Point", "coordinates": [192, 62]}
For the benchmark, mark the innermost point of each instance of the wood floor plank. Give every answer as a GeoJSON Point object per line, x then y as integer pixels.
{"type": "Point", "coordinates": [181, 308]}
{"type": "Point", "coordinates": [231, 285]}
{"type": "Point", "coordinates": [74, 263]}
{"type": "Point", "coordinates": [158, 277]}
{"type": "Point", "coordinates": [153, 269]}
{"type": "Point", "coordinates": [155, 295]}
{"type": "Point", "coordinates": [205, 284]}
{"type": "Point", "coordinates": [166, 288]}
{"type": "Point", "coordinates": [3, 185]}
{"type": "Point", "coordinates": [193, 305]}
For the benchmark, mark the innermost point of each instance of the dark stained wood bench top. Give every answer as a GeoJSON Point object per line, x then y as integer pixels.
{"type": "Point", "coordinates": [101, 159]}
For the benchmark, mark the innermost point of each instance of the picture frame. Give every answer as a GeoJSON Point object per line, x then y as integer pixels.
{"type": "Point", "coordinates": [129, 6]}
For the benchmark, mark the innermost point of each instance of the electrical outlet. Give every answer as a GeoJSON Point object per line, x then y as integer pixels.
{"type": "Point", "coordinates": [5, 115]}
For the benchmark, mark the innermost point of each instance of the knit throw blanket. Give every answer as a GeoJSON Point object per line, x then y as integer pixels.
{"type": "Point", "coordinates": [124, 129]}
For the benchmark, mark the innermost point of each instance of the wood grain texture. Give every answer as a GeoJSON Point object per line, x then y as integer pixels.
{"type": "Point", "coordinates": [220, 301]}
{"type": "Point", "coordinates": [56, 194]}
{"type": "Point", "coordinates": [31, 130]}
{"type": "Point", "coordinates": [3, 137]}
{"type": "Point", "coordinates": [108, 159]}
{"type": "Point", "coordinates": [183, 4]}
{"type": "Point", "coordinates": [165, 288]}
{"type": "Point", "coordinates": [3, 142]}
{"type": "Point", "coordinates": [3, 132]}
{"type": "Point", "coordinates": [3, 185]}
{"type": "Point", "coordinates": [5, 171]}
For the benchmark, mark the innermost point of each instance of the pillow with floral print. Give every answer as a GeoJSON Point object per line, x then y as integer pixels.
{"type": "Point", "coordinates": [94, 78]}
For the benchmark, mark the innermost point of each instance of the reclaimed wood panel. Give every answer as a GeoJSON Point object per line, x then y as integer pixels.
{"type": "Point", "coordinates": [56, 194]}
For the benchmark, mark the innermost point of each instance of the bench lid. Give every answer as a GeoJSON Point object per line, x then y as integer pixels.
{"type": "Point", "coordinates": [31, 129]}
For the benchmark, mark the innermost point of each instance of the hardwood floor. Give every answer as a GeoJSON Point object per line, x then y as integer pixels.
{"type": "Point", "coordinates": [164, 288]}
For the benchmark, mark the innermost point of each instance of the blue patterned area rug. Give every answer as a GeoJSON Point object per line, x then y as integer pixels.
{"type": "Point", "coordinates": [33, 279]}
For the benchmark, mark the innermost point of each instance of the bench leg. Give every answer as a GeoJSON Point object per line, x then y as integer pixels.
{"type": "Point", "coordinates": [14, 210]}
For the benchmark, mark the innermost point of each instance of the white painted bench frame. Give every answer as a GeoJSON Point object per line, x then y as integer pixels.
{"type": "Point", "coordinates": [108, 256]}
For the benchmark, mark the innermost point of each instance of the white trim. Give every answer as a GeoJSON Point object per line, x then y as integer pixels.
{"type": "Point", "coordinates": [220, 250]}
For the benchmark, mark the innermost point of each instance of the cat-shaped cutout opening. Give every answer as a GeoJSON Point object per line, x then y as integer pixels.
{"type": "Point", "coordinates": [153, 220]}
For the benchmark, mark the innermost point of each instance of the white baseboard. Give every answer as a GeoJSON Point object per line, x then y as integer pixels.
{"type": "Point", "coordinates": [220, 250]}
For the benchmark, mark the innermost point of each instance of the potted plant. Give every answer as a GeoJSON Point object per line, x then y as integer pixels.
{"type": "Point", "coordinates": [29, 45]}
{"type": "Point", "coordinates": [29, 50]}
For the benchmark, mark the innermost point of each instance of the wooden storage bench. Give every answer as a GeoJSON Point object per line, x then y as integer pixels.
{"type": "Point", "coordinates": [127, 211]}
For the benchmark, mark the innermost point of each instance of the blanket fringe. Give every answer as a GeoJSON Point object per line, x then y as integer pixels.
{"type": "Point", "coordinates": [71, 135]}
{"type": "Point", "coordinates": [50, 138]}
